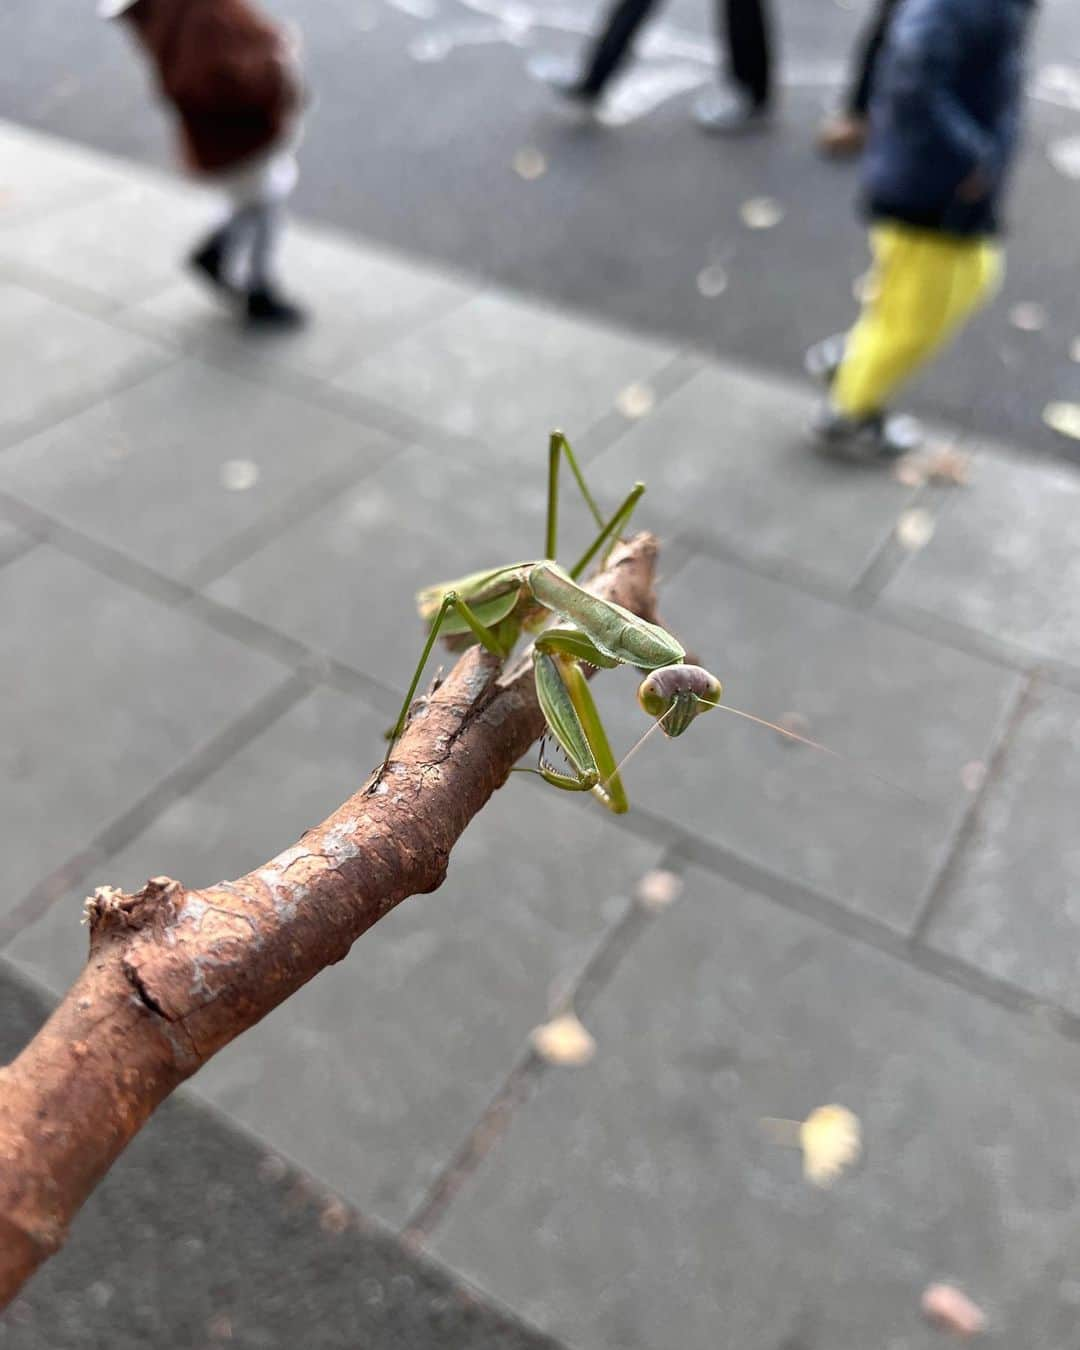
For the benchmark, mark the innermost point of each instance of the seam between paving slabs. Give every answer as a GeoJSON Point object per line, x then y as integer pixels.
{"type": "Point", "coordinates": [305, 1185]}
{"type": "Point", "coordinates": [934, 895]}
{"type": "Point", "coordinates": [146, 368]}
{"type": "Point", "coordinates": [528, 1070]}
{"type": "Point", "coordinates": [192, 771]}
{"type": "Point", "coordinates": [798, 897]}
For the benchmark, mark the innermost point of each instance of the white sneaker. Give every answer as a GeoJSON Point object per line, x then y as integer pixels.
{"type": "Point", "coordinates": [728, 112]}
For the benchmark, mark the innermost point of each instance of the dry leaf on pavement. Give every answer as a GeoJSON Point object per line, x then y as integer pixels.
{"type": "Point", "coordinates": [658, 889]}
{"type": "Point", "coordinates": [831, 1139]}
{"type": "Point", "coordinates": [915, 529]}
{"type": "Point", "coordinates": [761, 213]}
{"type": "Point", "coordinates": [563, 1041]}
{"type": "Point", "coordinates": [530, 163]}
{"type": "Point", "coordinates": [1027, 316]}
{"type": "Point", "coordinates": [712, 281]}
{"type": "Point", "coordinates": [636, 400]}
{"type": "Point", "coordinates": [951, 1310]}
{"type": "Point", "coordinates": [1064, 418]}
{"type": "Point", "coordinates": [937, 464]}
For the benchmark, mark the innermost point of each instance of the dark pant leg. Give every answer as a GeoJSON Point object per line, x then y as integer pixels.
{"type": "Point", "coordinates": [858, 99]}
{"type": "Point", "coordinates": [748, 44]}
{"type": "Point", "coordinates": [622, 23]}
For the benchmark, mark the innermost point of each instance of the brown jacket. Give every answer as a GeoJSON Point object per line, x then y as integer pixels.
{"type": "Point", "coordinates": [228, 71]}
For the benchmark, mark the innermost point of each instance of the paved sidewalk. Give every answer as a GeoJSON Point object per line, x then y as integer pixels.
{"type": "Point", "coordinates": [208, 553]}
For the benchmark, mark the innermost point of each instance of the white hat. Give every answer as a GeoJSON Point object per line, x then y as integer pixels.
{"type": "Point", "coordinates": [112, 9]}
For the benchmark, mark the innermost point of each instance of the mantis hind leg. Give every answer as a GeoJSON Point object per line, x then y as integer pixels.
{"type": "Point", "coordinates": [609, 528]}
{"type": "Point", "coordinates": [485, 636]}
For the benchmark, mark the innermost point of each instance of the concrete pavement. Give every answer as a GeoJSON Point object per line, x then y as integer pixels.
{"type": "Point", "coordinates": [208, 551]}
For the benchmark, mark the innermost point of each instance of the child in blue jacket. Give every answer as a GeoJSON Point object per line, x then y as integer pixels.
{"type": "Point", "coordinates": [943, 129]}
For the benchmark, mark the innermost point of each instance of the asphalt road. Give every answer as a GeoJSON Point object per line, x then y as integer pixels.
{"type": "Point", "coordinates": [422, 108]}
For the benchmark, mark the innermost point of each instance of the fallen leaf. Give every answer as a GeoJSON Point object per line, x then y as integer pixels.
{"type": "Point", "coordinates": [1064, 418]}
{"type": "Point", "coordinates": [1027, 316]}
{"type": "Point", "coordinates": [563, 1041]}
{"type": "Point", "coordinates": [238, 475]}
{"type": "Point", "coordinates": [973, 775]}
{"type": "Point", "coordinates": [658, 889]}
{"type": "Point", "coordinates": [915, 529]}
{"type": "Point", "coordinates": [761, 213]}
{"type": "Point", "coordinates": [1064, 155]}
{"type": "Point", "coordinates": [831, 1139]}
{"type": "Point", "coordinates": [712, 281]}
{"type": "Point", "coordinates": [636, 400]}
{"type": "Point", "coordinates": [941, 463]}
{"type": "Point", "coordinates": [530, 163]}
{"type": "Point", "coordinates": [794, 723]}
{"type": "Point", "coordinates": [951, 1310]}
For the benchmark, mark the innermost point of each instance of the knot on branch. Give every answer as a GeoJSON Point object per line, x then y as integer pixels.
{"type": "Point", "coordinates": [109, 910]}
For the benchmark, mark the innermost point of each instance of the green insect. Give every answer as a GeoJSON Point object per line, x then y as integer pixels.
{"type": "Point", "coordinates": [495, 607]}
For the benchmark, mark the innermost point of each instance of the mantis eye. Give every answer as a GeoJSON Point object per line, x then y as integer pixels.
{"type": "Point", "coordinates": [675, 695]}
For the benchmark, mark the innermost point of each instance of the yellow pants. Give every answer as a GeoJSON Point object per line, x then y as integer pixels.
{"type": "Point", "coordinates": [923, 287]}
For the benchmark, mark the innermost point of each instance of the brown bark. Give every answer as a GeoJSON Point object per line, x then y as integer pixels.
{"type": "Point", "coordinates": [173, 974]}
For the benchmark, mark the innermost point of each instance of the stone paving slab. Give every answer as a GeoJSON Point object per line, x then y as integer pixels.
{"type": "Point", "coordinates": [423, 518]}
{"type": "Point", "coordinates": [39, 173]}
{"type": "Point", "coordinates": [173, 470]}
{"type": "Point", "coordinates": [375, 1072]}
{"type": "Point", "coordinates": [501, 372]}
{"type": "Point", "coordinates": [897, 706]}
{"type": "Point", "coordinates": [56, 360]}
{"type": "Point", "coordinates": [120, 247]}
{"type": "Point", "coordinates": [726, 456]}
{"type": "Point", "coordinates": [1012, 906]}
{"type": "Point", "coordinates": [90, 679]}
{"type": "Point", "coordinates": [199, 1238]}
{"type": "Point", "coordinates": [639, 1203]}
{"type": "Point", "coordinates": [1005, 559]}
{"type": "Point", "coordinates": [362, 298]}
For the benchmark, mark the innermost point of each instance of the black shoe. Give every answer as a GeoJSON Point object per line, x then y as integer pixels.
{"type": "Point", "coordinates": [877, 438]}
{"type": "Point", "coordinates": [208, 262]}
{"type": "Point", "coordinates": [265, 308]}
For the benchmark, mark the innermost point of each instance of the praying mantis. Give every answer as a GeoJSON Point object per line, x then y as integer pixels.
{"type": "Point", "coordinates": [573, 628]}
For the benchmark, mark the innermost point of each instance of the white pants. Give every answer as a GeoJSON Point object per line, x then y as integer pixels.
{"type": "Point", "coordinates": [256, 192]}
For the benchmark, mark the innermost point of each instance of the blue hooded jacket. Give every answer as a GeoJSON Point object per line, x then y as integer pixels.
{"type": "Point", "coordinates": [946, 103]}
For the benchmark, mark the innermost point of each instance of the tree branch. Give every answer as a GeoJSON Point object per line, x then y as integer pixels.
{"type": "Point", "coordinates": [174, 974]}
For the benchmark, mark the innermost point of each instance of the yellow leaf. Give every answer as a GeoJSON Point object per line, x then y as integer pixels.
{"type": "Point", "coordinates": [1064, 418]}
{"type": "Point", "coordinates": [831, 1139]}
{"type": "Point", "coordinates": [915, 528]}
{"type": "Point", "coordinates": [530, 163]}
{"type": "Point", "coordinates": [761, 213]}
{"type": "Point", "coordinates": [563, 1041]}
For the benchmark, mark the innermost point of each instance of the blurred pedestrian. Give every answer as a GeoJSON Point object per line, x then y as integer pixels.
{"type": "Point", "coordinates": [743, 103]}
{"type": "Point", "coordinates": [231, 75]}
{"type": "Point", "coordinates": [943, 128]}
{"type": "Point", "coordinates": [844, 133]}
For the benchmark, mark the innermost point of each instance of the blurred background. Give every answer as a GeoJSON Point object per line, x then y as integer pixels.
{"type": "Point", "coordinates": [558, 1103]}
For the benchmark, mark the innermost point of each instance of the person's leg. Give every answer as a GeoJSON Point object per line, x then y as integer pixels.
{"type": "Point", "coordinates": [925, 287]}
{"type": "Point", "coordinates": [749, 49]}
{"type": "Point", "coordinates": [844, 133]}
{"type": "Point", "coordinates": [743, 28]}
{"type": "Point", "coordinates": [611, 46]}
{"type": "Point", "coordinates": [858, 99]}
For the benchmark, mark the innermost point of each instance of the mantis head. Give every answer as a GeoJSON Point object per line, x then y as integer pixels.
{"type": "Point", "coordinates": [675, 695]}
